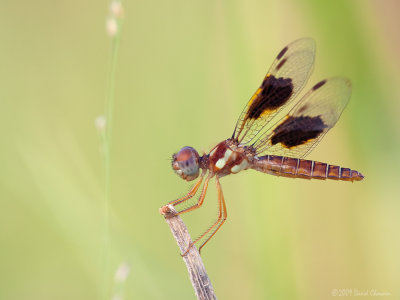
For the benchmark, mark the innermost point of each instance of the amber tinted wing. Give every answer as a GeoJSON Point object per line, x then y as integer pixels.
{"type": "Point", "coordinates": [305, 125]}
{"type": "Point", "coordinates": [284, 80]}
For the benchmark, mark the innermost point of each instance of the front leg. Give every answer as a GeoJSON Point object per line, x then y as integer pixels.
{"type": "Point", "coordinates": [222, 215]}
{"type": "Point", "coordinates": [191, 193]}
{"type": "Point", "coordinates": [199, 202]}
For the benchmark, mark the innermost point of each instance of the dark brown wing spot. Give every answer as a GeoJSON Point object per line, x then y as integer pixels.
{"type": "Point", "coordinates": [302, 109]}
{"type": "Point", "coordinates": [282, 53]}
{"type": "Point", "coordinates": [318, 85]}
{"type": "Point", "coordinates": [275, 92]}
{"type": "Point", "coordinates": [281, 64]}
{"type": "Point", "coordinates": [296, 131]}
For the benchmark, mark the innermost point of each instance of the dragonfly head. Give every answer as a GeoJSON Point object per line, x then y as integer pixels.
{"type": "Point", "coordinates": [186, 163]}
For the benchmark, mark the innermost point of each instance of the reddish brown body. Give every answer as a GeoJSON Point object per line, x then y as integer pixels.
{"type": "Point", "coordinates": [229, 157]}
{"type": "Point", "coordinates": [301, 168]}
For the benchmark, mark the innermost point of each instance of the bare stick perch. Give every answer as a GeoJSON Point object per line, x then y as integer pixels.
{"type": "Point", "coordinates": [197, 272]}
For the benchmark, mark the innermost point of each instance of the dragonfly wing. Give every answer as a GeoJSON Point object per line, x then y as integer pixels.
{"type": "Point", "coordinates": [305, 125]}
{"type": "Point", "coordinates": [286, 77]}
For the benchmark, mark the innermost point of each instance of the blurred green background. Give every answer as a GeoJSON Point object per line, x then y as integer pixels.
{"type": "Point", "coordinates": [185, 70]}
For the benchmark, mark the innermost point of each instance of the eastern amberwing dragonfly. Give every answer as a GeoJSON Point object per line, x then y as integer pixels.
{"type": "Point", "coordinates": [276, 148]}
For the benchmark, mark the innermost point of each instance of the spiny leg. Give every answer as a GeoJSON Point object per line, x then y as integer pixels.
{"type": "Point", "coordinates": [200, 201]}
{"type": "Point", "coordinates": [191, 193]}
{"type": "Point", "coordinates": [222, 215]}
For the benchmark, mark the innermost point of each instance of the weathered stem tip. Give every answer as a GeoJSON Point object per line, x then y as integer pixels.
{"type": "Point", "coordinates": [168, 211]}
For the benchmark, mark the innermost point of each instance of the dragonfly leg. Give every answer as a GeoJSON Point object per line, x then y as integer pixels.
{"type": "Point", "coordinates": [191, 193]}
{"type": "Point", "coordinates": [222, 215]}
{"type": "Point", "coordinates": [200, 201]}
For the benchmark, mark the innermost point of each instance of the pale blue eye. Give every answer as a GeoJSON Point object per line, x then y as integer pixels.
{"type": "Point", "coordinates": [189, 166]}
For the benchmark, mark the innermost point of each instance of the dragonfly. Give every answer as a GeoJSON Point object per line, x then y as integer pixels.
{"type": "Point", "coordinates": [278, 148]}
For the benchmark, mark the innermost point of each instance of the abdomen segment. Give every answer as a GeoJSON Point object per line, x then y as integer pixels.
{"type": "Point", "coordinates": [301, 168]}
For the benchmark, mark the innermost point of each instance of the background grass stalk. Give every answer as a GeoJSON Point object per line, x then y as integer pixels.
{"type": "Point", "coordinates": [106, 138]}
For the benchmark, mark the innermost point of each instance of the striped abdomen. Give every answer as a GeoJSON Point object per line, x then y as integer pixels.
{"type": "Point", "coordinates": [301, 168]}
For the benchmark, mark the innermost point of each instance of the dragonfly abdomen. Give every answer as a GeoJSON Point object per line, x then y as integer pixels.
{"type": "Point", "coordinates": [302, 168]}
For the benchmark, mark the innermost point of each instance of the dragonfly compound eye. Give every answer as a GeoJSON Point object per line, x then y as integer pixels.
{"type": "Point", "coordinates": [186, 163]}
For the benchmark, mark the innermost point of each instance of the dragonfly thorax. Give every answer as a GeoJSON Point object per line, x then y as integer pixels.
{"type": "Point", "coordinates": [228, 157]}
{"type": "Point", "coordinates": [186, 163]}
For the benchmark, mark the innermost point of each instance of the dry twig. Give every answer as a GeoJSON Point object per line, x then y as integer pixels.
{"type": "Point", "coordinates": [197, 272]}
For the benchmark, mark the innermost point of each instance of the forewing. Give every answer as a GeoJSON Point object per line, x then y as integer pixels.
{"type": "Point", "coordinates": [305, 125]}
{"type": "Point", "coordinates": [284, 80]}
